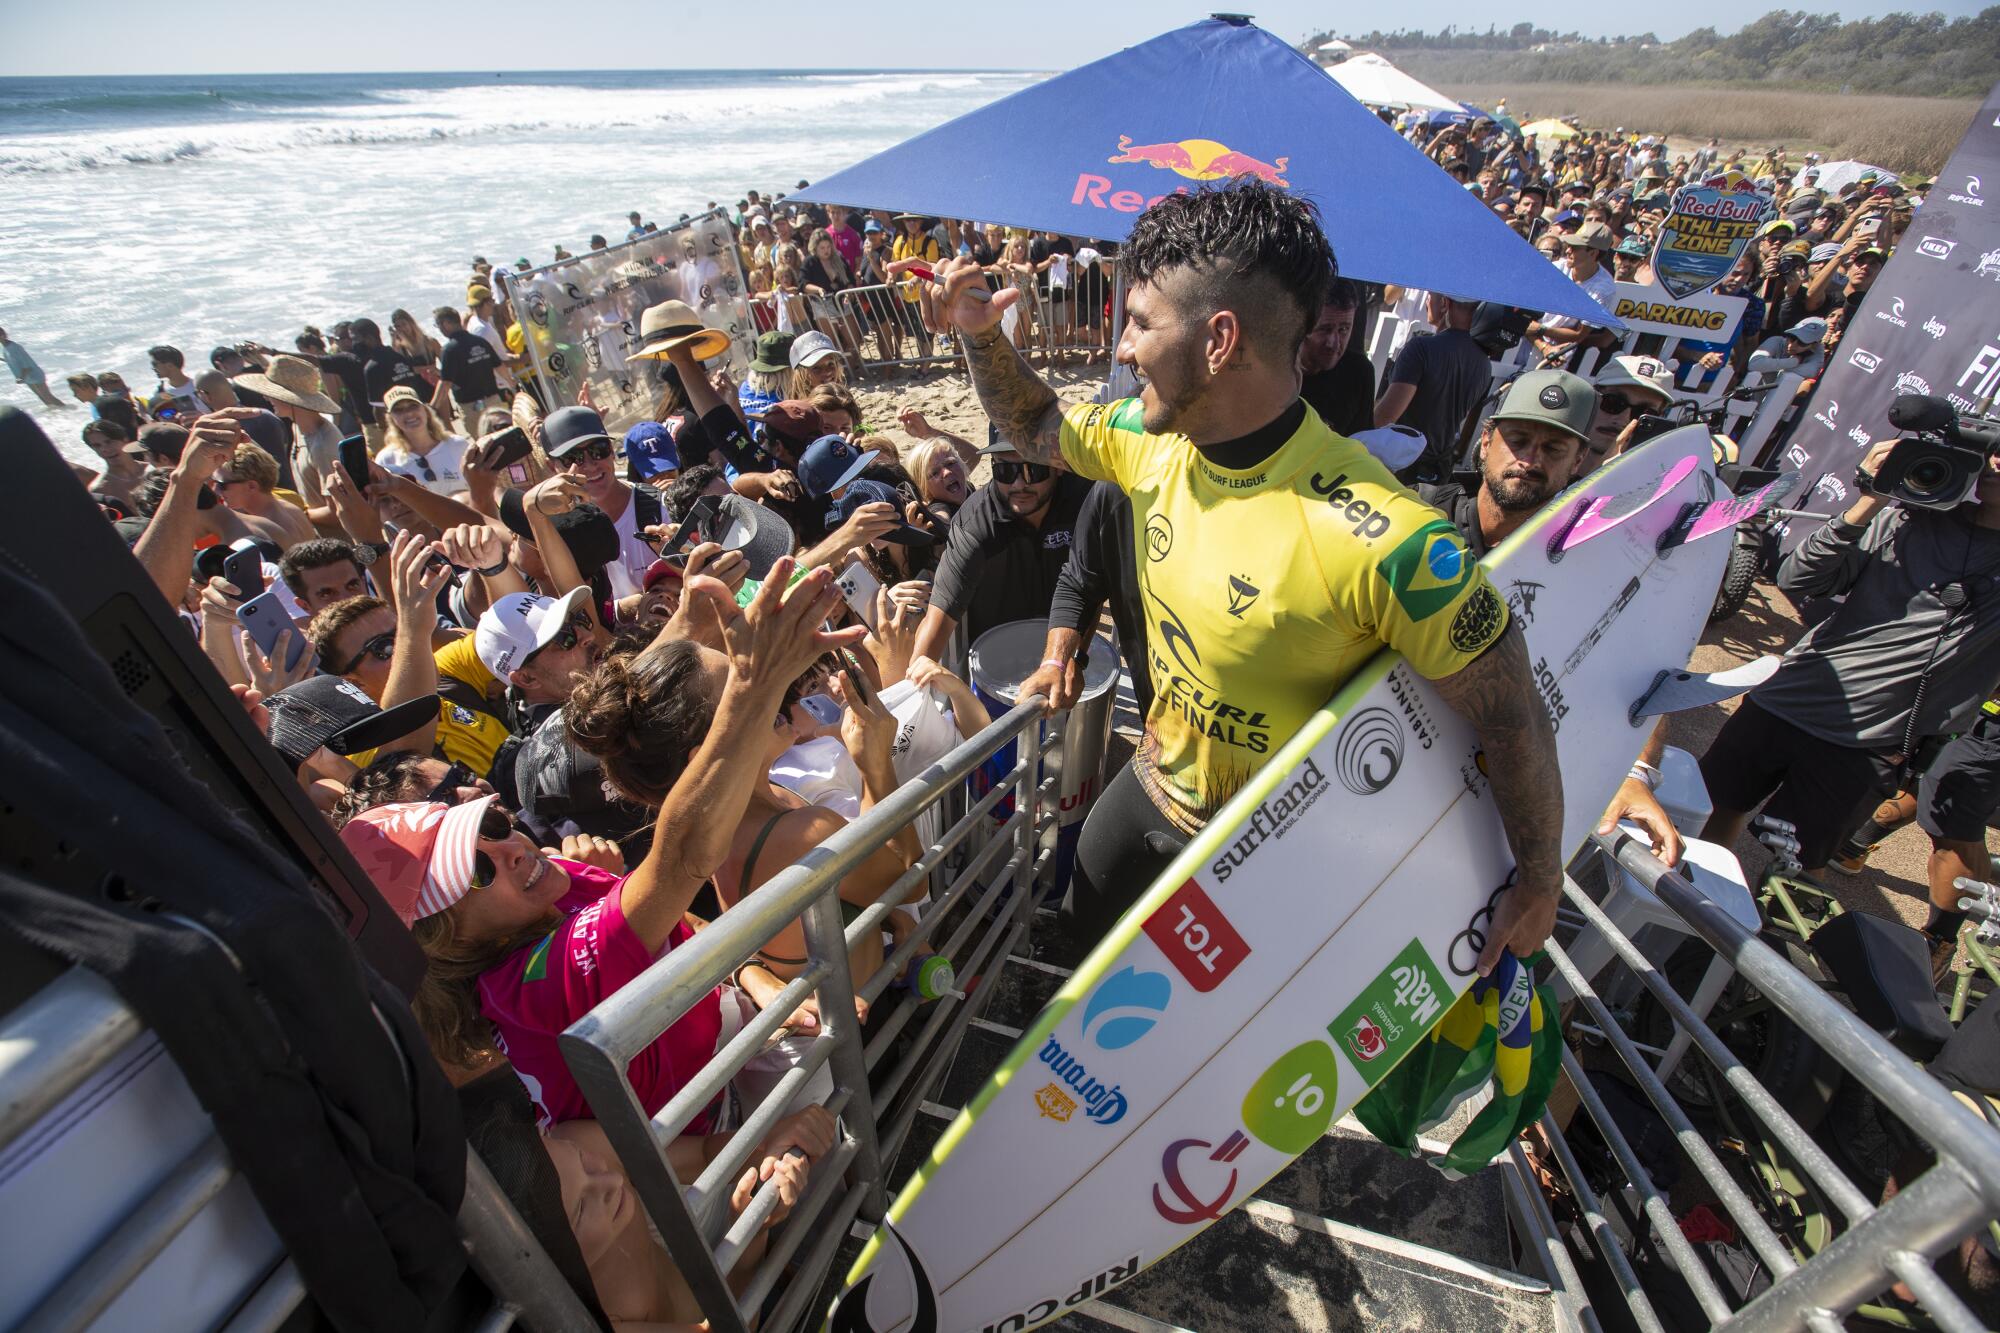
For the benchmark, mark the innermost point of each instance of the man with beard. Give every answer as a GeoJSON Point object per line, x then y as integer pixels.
{"type": "Point", "coordinates": [1528, 450]}
{"type": "Point", "coordinates": [1274, 556]}
{"type": "Point", "coordinates": [1008, 545]}
{"type": "Point", "coordinates": [1339, 380]}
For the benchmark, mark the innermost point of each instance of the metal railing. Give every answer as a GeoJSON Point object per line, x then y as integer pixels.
{"type": "Point", "coordinates": [876, 1101]}
{"type": "Point", "coordinates": [1881, 1244]}
{"type": "Point", "coordinates": [76, 1027]}
{"type": "Point", "coordinates": [880, 328]}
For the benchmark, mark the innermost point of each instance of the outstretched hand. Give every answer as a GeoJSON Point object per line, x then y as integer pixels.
{"type": "Point", "coordinates": [959, 301]}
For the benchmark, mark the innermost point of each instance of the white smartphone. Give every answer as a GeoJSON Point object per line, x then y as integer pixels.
{"type": "Point", "coordinates": [858, 584]}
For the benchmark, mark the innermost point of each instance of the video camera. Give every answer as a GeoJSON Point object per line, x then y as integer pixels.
{"type": "Point", "coordinates": [1937, 462]}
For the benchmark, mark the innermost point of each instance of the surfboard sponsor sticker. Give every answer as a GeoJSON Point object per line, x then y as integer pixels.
{"type": "Point", "coordinates": [1428, 569]}
{"type": "Point", "coordinates": [1291, 1104]}
{"type": "Point", "coordinates": [1392, 1012]}
{"type": "Point", "coordinates": [1276, 815]}
{"type": "Point", "coordinates": [1125, 1007]}
{"type": "Point", "coordinates": [1101, 1103]}
{"type": "Point", "coordinates": [1368, 752]}
{"type": "Point", "coordinates": [1196, 937]}
{"type": "Point", "coordinates": [1182, 1202]}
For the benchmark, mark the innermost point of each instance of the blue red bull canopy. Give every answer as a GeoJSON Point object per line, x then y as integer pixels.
{"type": "Point", "coordinates": [1083, 153]}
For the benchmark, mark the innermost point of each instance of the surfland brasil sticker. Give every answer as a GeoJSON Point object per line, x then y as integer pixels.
{"type": "Point", "coordinates": [1428, 569]}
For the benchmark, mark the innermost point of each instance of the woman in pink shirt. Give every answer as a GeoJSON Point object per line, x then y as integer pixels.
{"type": "Point", "coordinates": [521, 945]}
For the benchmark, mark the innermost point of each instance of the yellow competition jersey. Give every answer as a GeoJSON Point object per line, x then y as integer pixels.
{"type": "Point", "coordinates": [1263, 590]}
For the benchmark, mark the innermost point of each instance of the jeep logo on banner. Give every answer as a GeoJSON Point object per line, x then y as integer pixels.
{"type": "Point", "coordinates": [1935, 294]}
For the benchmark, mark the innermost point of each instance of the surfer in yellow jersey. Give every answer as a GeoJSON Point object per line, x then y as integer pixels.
{"type": "Point", "coordinates": [1274, 556]}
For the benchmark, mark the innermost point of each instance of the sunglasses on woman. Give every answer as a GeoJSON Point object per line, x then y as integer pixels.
{"type": "Point", "coordinates": [1617, 404]}
{"type": "Point", "coordinates": [595, 452]}
{"type": "Point", "coordinates": [1011, 470]}
{"type": "Point", "coordinates": [382, 647]}
{"type": "Point", "coordinates": [495, 825]}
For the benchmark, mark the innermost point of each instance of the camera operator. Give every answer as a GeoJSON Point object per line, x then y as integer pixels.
{"type": "Point", "coordinates": [1909, 653]}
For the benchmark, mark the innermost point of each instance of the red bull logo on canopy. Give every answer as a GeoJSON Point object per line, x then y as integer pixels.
{"type": "Point", "coordinates": [1196, 159]}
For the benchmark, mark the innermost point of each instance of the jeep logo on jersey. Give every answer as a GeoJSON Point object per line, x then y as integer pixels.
{"type": "Point", "coordinates": [1428, 569]}
{"type": "Point", "coordinates": [1368, 751]}
{"type": "Point", "coordinates": [850, 1312]}
{"type": "Point", "coordinates": [1361, 517]}
{"type": "Point", "coordinates": [1125, 1007]}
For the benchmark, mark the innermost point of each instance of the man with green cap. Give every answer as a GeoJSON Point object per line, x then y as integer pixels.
{"type": "Point", "coordinates": [1527, 452]}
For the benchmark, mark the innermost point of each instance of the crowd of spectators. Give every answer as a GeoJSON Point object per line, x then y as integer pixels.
{"type": "Point", "coordinates": [615, 683]}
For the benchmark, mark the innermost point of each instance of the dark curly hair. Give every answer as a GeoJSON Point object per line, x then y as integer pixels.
{"type": "Point", "coordinates": [1252, 248]}
{"type": "Point", "coordinates": [643, 714]}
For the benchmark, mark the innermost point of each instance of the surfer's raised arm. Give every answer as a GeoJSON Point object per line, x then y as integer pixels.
{"type": "Point", "coordinates": [1496, 693]}
{"type": "Point", "coordinates": [1020, 406]}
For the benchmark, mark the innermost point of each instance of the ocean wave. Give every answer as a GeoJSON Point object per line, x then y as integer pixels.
{"type": "Point", "coordinates": [417, 115]}
{"type": "Point", "coordinates": [142, 103]}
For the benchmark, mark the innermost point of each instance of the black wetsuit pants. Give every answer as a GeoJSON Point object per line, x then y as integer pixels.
{"type": "Point", "coordinates": [1125, 844]}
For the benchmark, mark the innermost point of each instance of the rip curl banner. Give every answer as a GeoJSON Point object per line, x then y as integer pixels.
{"type": "Point", "coordinates": [1708, 227]}
{"type": "Point", "coordinates": [1929, 324]}
{"type": "Point", "coordinates": [581, 315]}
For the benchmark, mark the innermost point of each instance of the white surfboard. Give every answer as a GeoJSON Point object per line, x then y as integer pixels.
{"type": "Point", "coordinates": [1301, 944]}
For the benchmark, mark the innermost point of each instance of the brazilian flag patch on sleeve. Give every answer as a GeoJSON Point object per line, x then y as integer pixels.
{"type": "Point", "coordinates": [1428, 570]}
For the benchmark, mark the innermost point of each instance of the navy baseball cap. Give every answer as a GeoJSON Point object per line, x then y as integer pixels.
{"type": "Point", "coordinates": [649, 451]}
{"type": "Point", "coordinates": [829, 463]}
{"type": "Point", "coordinates": [870, 492]}
{"type": "Point", "coordinates": [568, 428]}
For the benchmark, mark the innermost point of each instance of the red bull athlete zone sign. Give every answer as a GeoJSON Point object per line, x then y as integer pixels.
{"type": "Point", "coordinates": [1709, 224]}
{"type": "Point", "coordinates": [1193, 159]}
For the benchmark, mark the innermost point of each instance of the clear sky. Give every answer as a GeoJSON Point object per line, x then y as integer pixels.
{"type": "Point", "coordinates": [210, 37]}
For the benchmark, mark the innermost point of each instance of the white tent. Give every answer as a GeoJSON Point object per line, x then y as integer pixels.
{"type": "Point", "coordinates": [1335, 45]}
{"type": "Point", "coordinates": [1834, 176]}
{"type": "Point", "coordinates": [1376, 82]}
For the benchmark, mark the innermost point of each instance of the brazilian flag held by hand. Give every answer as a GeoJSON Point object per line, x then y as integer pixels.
{"type": "Point", "coordinates": [1501, 1032]}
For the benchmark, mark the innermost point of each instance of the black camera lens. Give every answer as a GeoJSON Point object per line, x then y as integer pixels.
{"type": "Point", "coordinates": [1929, 478]}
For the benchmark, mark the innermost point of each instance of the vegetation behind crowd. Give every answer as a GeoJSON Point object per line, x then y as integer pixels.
{"type": "Point", "coordinates": [1925, 54]}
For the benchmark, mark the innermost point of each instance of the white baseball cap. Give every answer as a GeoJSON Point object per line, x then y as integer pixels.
{"type": "Point", "coordinates": [809, 349]}
{"type": "Point", "coordinates": [519, 625]}
{"type": "Point", "coordinates": [1639, 372]}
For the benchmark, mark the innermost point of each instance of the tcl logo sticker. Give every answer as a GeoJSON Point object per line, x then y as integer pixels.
{"type": "Point", "coordinates": [1196, 937]}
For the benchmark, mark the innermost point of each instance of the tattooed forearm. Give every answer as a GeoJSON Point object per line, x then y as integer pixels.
{"type": "Point", "coordinates": [1496, 694]}
{"type": "Point", "coordinates": [1019, 405]}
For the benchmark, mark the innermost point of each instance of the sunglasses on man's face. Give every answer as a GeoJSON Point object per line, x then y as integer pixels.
{"type": "Point", "coordinates": [595, 453]}
{"type": "Point", "coordinates": [1010, 470]}
{"type": "Point", "coordinates": [1618, 404]}
{"type": "Point", "coordinates": [495, 825]}
{"type": "Point", "coordinates": [568, 637]}
{"type": "Point", "coordinates": [382, 647]}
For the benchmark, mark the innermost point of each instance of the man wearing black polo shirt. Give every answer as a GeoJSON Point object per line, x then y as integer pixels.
{"type": "Point", "coordinates": [467, 370]}
{"type": "Point", "coordinates": [1008, 545]}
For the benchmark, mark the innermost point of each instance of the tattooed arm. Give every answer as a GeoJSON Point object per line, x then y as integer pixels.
{"type": "Point", "coordinates": [1015, 399]}
{"type": "Point", "coordinates": [1496, 694]}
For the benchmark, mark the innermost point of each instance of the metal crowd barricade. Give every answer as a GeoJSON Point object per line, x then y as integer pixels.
{"type": "Point", "coordinates": [986, 907]}
{"type": "Point", "coordinates": [77, 1026]}
{"type": "Point", "coordinates": [1882, 1244]}
{"type": "Point", "coordinates": [887, 330]}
